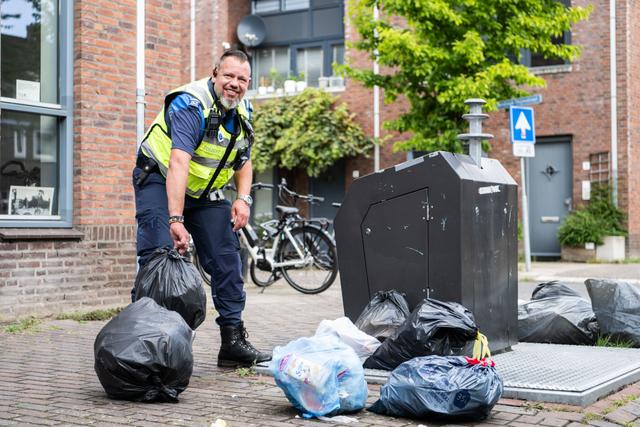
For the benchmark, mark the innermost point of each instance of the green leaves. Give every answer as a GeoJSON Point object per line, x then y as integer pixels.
{"type": "Point", "coordinates": [590, 224]}
{"type": "Point", "coordinates": [440, 52]}
{"type": "Point", "coordinates": [309, 131]}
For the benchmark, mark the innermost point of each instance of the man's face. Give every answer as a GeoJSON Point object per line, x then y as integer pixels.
{"type": "Point", "coordinates": [231, 81]}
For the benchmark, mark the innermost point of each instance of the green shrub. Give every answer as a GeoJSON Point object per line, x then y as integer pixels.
{"type": "Point", "coordinates": [310, 131]}
{"type": "Point", "coordinates": [580, 227]}
{"type": "Point", "coordinates": [594, 221]}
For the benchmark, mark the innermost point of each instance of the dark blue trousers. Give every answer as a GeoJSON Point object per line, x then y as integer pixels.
{"type": "Point", "coordinates": [209, 223]}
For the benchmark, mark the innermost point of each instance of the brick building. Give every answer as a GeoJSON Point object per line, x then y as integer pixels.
{"type": "Point", "coordinates": [68, 123]}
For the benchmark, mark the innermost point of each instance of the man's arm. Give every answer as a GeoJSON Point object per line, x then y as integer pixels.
{"type": "Point", "coordinates": [176, 188]}
{"type": "Point", "coordinates": [240, 210]}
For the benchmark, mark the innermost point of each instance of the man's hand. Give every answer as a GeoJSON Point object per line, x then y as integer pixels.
{"type": "Point", "coordinates": [239, 214]}
{"type": "Point", "coordinates": [180, 237]}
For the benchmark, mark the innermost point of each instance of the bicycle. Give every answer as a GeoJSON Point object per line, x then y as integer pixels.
{"type": "Point", "coordinates": [291, 246]}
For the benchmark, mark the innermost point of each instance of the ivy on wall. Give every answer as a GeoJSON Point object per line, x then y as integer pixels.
{"type": "Point", "coordinates": [310, 131]}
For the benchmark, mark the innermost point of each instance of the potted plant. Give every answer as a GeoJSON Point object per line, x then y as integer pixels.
{"type": "Point", "coordinates": [595, 231]}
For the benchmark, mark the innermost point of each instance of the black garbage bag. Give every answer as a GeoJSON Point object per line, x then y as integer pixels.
{"type": "Point", "coordinates": [553, 289]}
{"type": "Point", "coordinates": [452, 388]}
{"type": "Point", "coordinates": [173, 282]}
{"type": "Point", "coordinates": [144, 354]}
{"type": "Point", "coordinates": [557, 320]}
{"type": "Point", "coordinates": [617, 307]}
{"type": "Point", "coordinates": [433, 327]}
{"type": "Point", "coordinates": [386, 311]}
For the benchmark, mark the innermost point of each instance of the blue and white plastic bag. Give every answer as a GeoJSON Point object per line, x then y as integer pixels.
{"type": "Point", "coordinates": [320, 376]}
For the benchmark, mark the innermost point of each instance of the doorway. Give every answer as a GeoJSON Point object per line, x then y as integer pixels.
{"type": "Point", "coordinates": [549, 181]}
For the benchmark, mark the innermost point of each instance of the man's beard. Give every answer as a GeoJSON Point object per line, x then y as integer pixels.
{"type": "Point", "coordinates": [227, 104]}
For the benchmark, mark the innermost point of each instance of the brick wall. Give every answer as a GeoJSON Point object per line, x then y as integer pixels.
{"type": "Point", "coordinates": [578, 103]}
{"type": "Point", "coordinates": [52, 276]}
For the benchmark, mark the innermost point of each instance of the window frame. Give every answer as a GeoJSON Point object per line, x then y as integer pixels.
{"type": "Point", "coordinates": [526, 54]}
{"type": "Point", "coordinates": [63, 112]}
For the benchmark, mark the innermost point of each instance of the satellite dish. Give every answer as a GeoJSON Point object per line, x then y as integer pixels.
{"type": "Point", "coordinates": [251, 30]}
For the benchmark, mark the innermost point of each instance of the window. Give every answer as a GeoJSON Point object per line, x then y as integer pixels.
{"type": "Point", "coordinates": [295, 4]}
{"type": "Point", "coordinates": [532, 59]}
{"type": "Point", "coordinates": [599, 167]}
{"type": "Point", "coordinates": [270, 67]}
{"type": "Point", "coordinates": [337, 54]}
{"type": "Point", "coordinates": [309, 64]}
{"type": "Point", "coordinates": [35, 113]}
{"type": "Point", "coordinates": [268, 6]}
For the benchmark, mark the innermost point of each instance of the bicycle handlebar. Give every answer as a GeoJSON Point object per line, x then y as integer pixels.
{"type": "Point", "coordinates": [309, 198]}
{"type": "Point", "coordinates": [256, 186]}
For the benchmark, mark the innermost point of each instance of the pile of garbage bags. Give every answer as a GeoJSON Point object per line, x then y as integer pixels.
{"type": "Point", "coordinates": [426, 350]}
{"type": "Point", "coordinates": [145, 352]}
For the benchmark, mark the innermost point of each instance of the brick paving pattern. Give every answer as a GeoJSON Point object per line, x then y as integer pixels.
{"type": "Point", "coordinates": [47, 378]}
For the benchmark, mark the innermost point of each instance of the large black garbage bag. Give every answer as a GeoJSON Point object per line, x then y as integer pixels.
{"type": "Point", "coordinates": [386, 311]}
{"type": "Point", "coordinates": [434, 327]}
{"type": "Point", "coordinates": [553, 289]}
{"type": "Point", "coordinates": [144, 354]}
{"type": "Point", "coordinates": [617, 307]}
{"type": "Point", "coordinates": [557, 320]}
{"type": "Point", "coordinates": [173, 282]}
{"type": "Point", "coordinates": [452, 388]}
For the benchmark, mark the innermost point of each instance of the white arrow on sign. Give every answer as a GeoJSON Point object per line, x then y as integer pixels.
{"type": "Point", "coordinates": [523, 125]}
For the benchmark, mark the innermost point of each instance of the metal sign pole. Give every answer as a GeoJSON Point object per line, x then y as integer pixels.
{"type": "Point", "coordinates": [525, 215]}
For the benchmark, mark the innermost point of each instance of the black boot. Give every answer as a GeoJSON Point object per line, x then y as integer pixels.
{"type": "Point", "coordinates": [236, 350]}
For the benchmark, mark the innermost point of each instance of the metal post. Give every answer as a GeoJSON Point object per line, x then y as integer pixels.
{"type": "Point", "coordinates": [376, 101]}
{"type": "Point", "coordinates": [525, 215]}
{"type": "Point", "coordinates": [475, 135]}
{"type": "Point", "coordinates": [140, 91]}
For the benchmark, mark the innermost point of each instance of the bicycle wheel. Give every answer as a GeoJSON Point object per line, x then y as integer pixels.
{"type": "Point", "coordinates": [262, 278]}
{"type": "Point", "coordinates": [320, 272]}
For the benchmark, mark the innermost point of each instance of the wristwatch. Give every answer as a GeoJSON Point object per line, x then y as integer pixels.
{"type": "Point", "coordinates": [246, 198]}
{"type": "Point", "coordinates": [176, 218]}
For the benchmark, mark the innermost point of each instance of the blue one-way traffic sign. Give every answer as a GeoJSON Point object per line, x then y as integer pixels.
{"type": "Point", "coordinates": [522, 125]}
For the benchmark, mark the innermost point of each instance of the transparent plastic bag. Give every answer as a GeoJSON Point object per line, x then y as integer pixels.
{"type": "Point", "coordinates": [364, 345]}
{"type": "Point", "coordinates": [320, 376]}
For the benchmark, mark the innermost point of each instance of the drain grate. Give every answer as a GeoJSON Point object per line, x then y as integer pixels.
{"type": "Point", "coordinates": [573, 375]}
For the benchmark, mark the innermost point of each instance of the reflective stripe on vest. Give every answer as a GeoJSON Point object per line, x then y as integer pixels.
{"type": "Point", "coordinates": [206, 158]}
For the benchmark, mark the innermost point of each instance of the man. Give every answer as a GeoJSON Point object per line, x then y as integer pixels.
{"type": "Point", "coordinates": [200, 139]}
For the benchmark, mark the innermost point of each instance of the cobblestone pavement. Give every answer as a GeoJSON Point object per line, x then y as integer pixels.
{"type": "Point", "coordinates": [47, 378]}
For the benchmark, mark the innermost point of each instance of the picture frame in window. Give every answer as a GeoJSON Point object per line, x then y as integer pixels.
{"type": "Point", "coordinates": [44, 148]}
{"type": "Point", "coordinates": [19, 144]}
{"type": "Point", "coordinates": [34, 201]}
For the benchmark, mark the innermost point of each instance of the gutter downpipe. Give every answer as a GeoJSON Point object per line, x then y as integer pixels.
{"type": "Point", "coordinates": [376, 102]}
{"type": "Point", "coordinates": [192, 44]}
{"type": "Point", "coordinates": [614, 102]}
{"type": "Point", "coordinates": [140, 92]}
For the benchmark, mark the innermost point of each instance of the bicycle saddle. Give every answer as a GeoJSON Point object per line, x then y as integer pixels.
{"type": "Point", "coordinates": [286, 210]}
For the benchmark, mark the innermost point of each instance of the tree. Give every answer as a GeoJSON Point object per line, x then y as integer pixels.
{"type": "Point", "coordinates": [441, 52]}
{"type": "Point", "coordinates": [310, 131]}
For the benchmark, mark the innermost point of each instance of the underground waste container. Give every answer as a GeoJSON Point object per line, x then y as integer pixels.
{"type": "Point", "coordinates": [442, 226]}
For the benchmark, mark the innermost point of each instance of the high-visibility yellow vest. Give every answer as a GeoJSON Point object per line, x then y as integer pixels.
{"type": "Point", "coordinates": [206, 158]}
